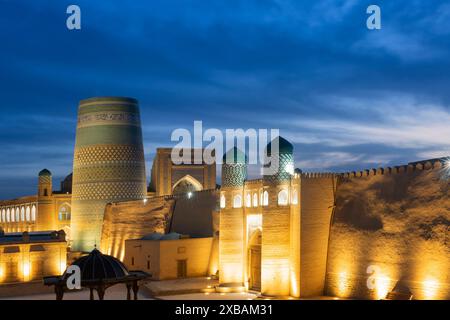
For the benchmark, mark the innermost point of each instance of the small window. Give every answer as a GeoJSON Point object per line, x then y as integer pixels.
{"type": "Point", "coordinates": [237, 201]}
{"type": "Point", "coordinates": [222, 201]}
{"type": "Point", "coordinates": [265, 198]}
{"type": "Point", "coordinates": [248, 200]}
{"type": "Point", "coordinates": [36, 247]}
{"type": "Point", "coordinates": [33, 213]}
{"type": "Point", "coordinates": [283, 198]}
{"type": "Point", "coordinates": [181, 268]}
{"type": "Point", "coordinates": [132, 261]}
{"type": "Point", "coordinates": [294, 197]}
{"type": "Point", "coordinates": [14, 249]}
{"type": "Point", "coordinates": [64, 213]}
{"type": "Point", "coordinates": [255, 200]}
{"type": "Point", "coordinates": [27, 216]}
{"type": "Point", "coordinates": [148, 264]}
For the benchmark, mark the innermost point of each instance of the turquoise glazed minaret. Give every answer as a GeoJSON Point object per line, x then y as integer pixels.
{"type": "Point", "coordinates": [108, 164]}
{"type": "Point", "coordinates": [285, 156]}
{"type": "Point", "coordinates": [234, 168]}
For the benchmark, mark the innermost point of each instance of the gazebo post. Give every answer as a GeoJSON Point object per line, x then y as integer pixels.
{"type": "Point", "coordinates": [59, 290]}
{"type": "Point", "coordinates": [135, 289]}
{"type": "Point", "coordinates": [128, 291]}
{"type": "Point", "coordinates": [91, 293]}
{"type": "Point", "coordinates": [101, 292]}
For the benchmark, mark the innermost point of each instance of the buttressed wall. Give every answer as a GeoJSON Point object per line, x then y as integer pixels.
{"type": "Point", "coordinates": [108, 164]}
{"type": "Point", "coordinates": [390, 232]}
{"type": "Point", "coordinates": [132, 220]}
{"type": "Point", "coordinates": [192, 216]}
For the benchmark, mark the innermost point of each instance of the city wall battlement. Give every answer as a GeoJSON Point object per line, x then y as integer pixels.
{"type": "Point", "coordinates": [433, 164]}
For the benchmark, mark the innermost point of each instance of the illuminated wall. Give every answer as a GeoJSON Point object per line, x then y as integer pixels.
{"type": "Point", "coordinates": [31, 262]}
{"type": "Point", "coordinates": [390, 233]}
{"type": "Point", "coordinates": [316, 205]}
{"type": "Point", "coordinates": [160, 257]}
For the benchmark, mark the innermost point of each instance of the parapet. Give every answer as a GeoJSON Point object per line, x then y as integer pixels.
{"type": "Point", "coordinates": [432, 164]}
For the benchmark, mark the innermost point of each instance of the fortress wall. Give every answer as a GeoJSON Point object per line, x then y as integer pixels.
{"type": "Point", "coordinates": [133, 220]}
{"type": "Point", "coordinates": [396, 222]}
{"type": "Point", "coordinates": [316, 205]}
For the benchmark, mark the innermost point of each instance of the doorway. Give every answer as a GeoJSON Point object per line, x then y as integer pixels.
{"type": "Point", "coordinates": [254, 261]}
{"type": "Point", "coordinates": [181, 268]}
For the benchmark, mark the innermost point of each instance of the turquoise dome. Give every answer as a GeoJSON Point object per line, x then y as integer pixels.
{"type": "Point", "coordinates": [235, 155]}
{"type": "Point", "coordinates": [45, 173]}
{"type": "Point", "coordinates": [284, 146]}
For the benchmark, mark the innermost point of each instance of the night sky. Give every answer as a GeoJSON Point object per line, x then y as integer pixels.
{"type": "Point", "coordinates": [348, 98]}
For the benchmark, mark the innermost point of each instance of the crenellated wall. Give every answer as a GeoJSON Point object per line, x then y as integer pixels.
{"type": "Point", "coordinates": [316, 207]}
{"type": "Point", "coordinates": [390, 232]}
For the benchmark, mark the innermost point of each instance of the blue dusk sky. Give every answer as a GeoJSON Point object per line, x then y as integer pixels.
{"type": "Point", "coordinates": [348, 98]}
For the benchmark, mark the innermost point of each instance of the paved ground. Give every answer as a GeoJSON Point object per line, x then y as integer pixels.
{"type": "Point", "coordinates": [118, 292]}
{"type": "Point", "coordinates": [211, 296]}
{"type": "Point", "coordinates": [181, 286]}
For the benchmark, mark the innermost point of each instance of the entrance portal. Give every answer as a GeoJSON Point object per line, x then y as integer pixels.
{"type": "Point", "coordinates": [254, 261]}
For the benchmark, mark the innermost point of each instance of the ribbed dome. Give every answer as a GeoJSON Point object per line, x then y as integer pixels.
{"type": "Point", "coordinates": [97, 266]}
{"type": "Point", "coordinates": [284, 146]}
{"type": "Point", "coordinates": [152, 236]}
{"type": "Point", "coordinates": [171, 236]}
{"type": "Point", "coordinates": [234, 155]}
{"type": "Point", "coordinates": [45, 173]}
{"type": "Point", "coordinates": [161, 236]}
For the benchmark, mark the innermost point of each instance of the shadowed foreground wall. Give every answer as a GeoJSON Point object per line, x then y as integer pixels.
{"type": "Point", "coordinates": [396, 224]}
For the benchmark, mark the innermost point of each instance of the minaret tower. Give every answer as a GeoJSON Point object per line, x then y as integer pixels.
{"type": "Point", "coordinates": [231, 243]}
{"type": "Point", "coordinates": [276, 220]}
{"type": "Point", "coordinates": [45, 218]}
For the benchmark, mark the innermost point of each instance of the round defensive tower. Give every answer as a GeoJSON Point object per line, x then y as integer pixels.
{"type": "Point", "coordinates": [108, 164]}
{"type": "Point", "coordinates": [45, 217]}
{"type": "Point", "coordinates": [281, 149]}
{"type": "Point", "coordinates": [234, 168]}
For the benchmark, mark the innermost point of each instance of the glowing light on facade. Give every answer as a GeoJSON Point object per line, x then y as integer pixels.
{"type": "Point", "coordinates": [289, 168]}
{"type": "Point", "coordinates": [26, 270]}
{"type": "Point", "coordinates": [342, 283]}
{"type": "Point", "coordinates": [62, 266]}
{"type": "Point", "coordinates": [283, 198]}
{"type": "Point", "coordinates": [237, 201]}
{"type": "Point", "coordinates": [222, 201]}
{"type": "Point", "coordinates": [431, 287]}
{"type": "Point", "coordinates": [382, 286]}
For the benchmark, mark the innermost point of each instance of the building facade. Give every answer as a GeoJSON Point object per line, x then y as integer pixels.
{"type": "Point", "coordinates": [168, 178]}
{"type": "Point", "coordinates": [29, 256]}
{"type": "Point", "coordinates": [47, 210]}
